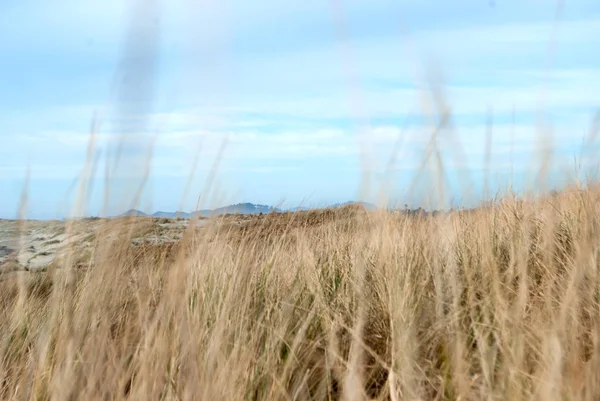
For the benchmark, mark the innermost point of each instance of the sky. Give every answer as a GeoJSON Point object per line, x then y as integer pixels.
{"type": "Point", "coordinates": [186, 104]}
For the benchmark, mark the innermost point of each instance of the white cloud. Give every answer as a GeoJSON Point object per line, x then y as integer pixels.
{"type": "Point", "coordinates": [174, 151]}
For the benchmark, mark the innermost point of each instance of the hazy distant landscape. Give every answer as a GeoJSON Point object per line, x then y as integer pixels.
{"type": "Point", "coordinates": [240, 208]}
{"type": "Point", "coordinates": [34, 245]}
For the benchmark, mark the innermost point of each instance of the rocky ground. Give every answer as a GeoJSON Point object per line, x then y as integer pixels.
{"type": "Point", "coordinates": [34, 245]}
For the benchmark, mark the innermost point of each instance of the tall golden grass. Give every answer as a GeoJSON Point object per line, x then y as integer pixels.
{"type": "Point", "coordinates": [501, 302]}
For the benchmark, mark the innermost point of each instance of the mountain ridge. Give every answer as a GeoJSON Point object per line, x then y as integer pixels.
{"type": "Point", "coordinates": [245, 208]}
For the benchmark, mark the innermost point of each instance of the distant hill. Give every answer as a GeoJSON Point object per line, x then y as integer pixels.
{"type": "Point", "coordinates": [240, 208]}
{"type": "Point", "coordinates": [133, 213]}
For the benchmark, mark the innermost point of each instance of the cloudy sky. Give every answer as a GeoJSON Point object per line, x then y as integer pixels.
{"type": "Point", "coordinates": [314, 101]}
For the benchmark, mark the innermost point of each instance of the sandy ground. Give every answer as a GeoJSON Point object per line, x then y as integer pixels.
{"type": "Point", "coordinates": [33, 245]}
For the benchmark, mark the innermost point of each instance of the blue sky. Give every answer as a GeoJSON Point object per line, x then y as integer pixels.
{"type": "Point", "coordinates": [293, 102]}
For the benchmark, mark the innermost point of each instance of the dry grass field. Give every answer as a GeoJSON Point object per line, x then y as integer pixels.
{"type": "Point", "coordinates": [497, 303]}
